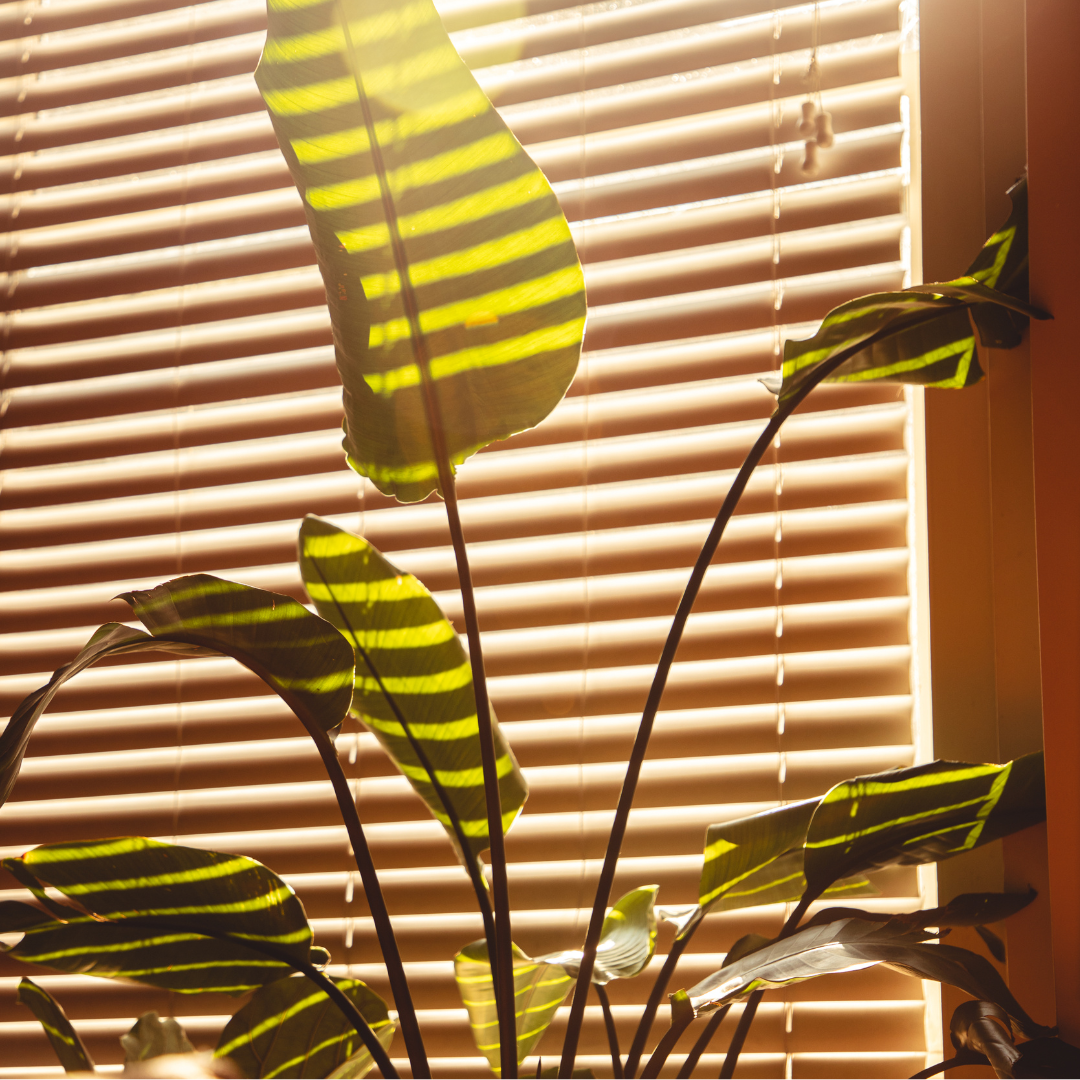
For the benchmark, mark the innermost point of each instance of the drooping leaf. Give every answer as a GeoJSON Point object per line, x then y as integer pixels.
{"type": "Point", "coordinates": [922, 814]}
{"type": "Point", "coordinates": [409, 659]}
{"type": "Point", "coordinates": [850, 945]}
{"type": "Point", "coordinates": [63, 1038]}
{"type": "Point", "coordinates": [410, 178]}
{"type": "Point", "coordinates": [759, 860]}
{"type": "Point", "coordinates": [297, 654]}
{"type": "Point", "coordinates": [627, 939]}
{"type": "Point", "coordinates": [291, 1028]}
{"type": "Point", "coordinates": [108, 640]}
{"type": "Point", "coordinates": [539, 989]}
{"type": "Point", "coordinates": [181, 897]}
{"type": "Point", "coordinates": [930, 339]}
{"type": "Point", "coordinates": [974, 1027]}
{"type": "Point", "coordinates": [151, 1037]}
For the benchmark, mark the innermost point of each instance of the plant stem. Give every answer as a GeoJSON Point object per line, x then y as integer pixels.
{"type": "Point", "coordinates": [787, 405]}
{"type": "Point", "coordinates": [470, 861]}
{"type": "Point", "coordinates": [679, 1023]}
{"type": "Point", "coordinates": [739, 1037]}
{"type": "Point", "coordinates": [323, 982]}
{"type": "Point", "coordinates": [612, 1034]}
{"type": "Point", "coordinates": [704, 1039]}
{"type": "Point", "coordinates": [678, 946]}
{"type": "Point", "coordinates": [395, 970]}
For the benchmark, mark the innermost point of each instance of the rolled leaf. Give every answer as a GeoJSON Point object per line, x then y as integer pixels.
{"type": "Point", "coordinates": [928, 337]}
{"type": "Point", "coordinates": [627, 939]}
{"type": "Point", "coordinates": [301, 657]}
{"type": "Point", "coordinates": [922, 814]}
{"type": "Point", "coordinates": [759, 860]}
{"type": "Point", "coordinates": [539, 989]}
{"type": "Point", "coordinates": [183, 899]}
{"type": "Point", "coordinates": [108, 640]}
{"type": "Point", "coordinates": [442, 247]}
{"type": "Point", "coordinates": [410, 669]}
{"type": "Point", "coordinates": [63, 1038]}
{"type": "Point", "coordinates": [292, 1028]}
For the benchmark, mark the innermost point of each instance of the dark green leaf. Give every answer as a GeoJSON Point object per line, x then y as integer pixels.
{"type": "Point", "coordinates": [108, 640]}
{"type": "Point", "coordinates": [924, 335]}
{"type": "Point", "coordinates": [153, 1037]}
{"type": "Point", "coordinates": [974, 1027]}
{"type": "Point", "coordinates": [539, 989]}
{"type": "Point", "coordinates": [967, 909]}
{"type": "Point", "coordinates": [922, 814]}
{"type": "Point", "coordinates": [411, 667]}
{"type": "Point", "coordinates": [759, 860]}
{"type": "Point", "coordinates": [63, 1038]}
{"type": "Point", "coordinates": [408, 175]}
{"type": "Point", "coordinates": [297, 654]}
{"type": "Point", "coordinates": [627, 939]}
{"type": "Point", "coordinates": [190, 894]}
{"type": "Point", "coordinates": [992, 942]}
{"type": "Point", "coordinates": [292, 1028]}
{"type": "Point", "coordinates": [746, 945]}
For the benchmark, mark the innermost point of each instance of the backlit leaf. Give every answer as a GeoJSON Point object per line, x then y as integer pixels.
{"type": "Point", "coordinates": [409, 658]}
{"type": "Point", "coordinates": [440, 243]}
{"type": "Point", "coordinates": [922, 814]}
{"type": "Point", "coordinates": [63, 1038]}
{"type": "Point", "coordinates": [180, 897]}
{"type": "Point", "coordinates": [297, 654]}
{"type": "Point", "coordinates": [291, 1028]}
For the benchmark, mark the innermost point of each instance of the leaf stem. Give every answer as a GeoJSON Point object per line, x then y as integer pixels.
{"type": "Point", "coordinates": [612, 1034]}
{"type": "Point", "coordinates": [663, 977]}
{"type": "Point", "coordinates": [737, 1040]}
{"type": "Point", "coordinates": [702, 1044]}
{"type": "Point", "coordinates": [679, 1023]}
{"type": "Point", "coordinates": [786, 406]}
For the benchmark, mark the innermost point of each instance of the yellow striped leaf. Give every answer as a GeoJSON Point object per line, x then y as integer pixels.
{"type": "Point", "coordinates": [301, 657]}
{"type": "Point", "coordinates": [195, 911]}
{"type": "Point", "coordinates": [922, 814]}
{"type": "Point", "coordinates": [924, 334]}
{"type": "Point", "coordinates": [414, 686]}
{"type": "Point", "coordinates": [291, 1028]}
{"type": "Point", "coordinates": [63, 1038]}
{"type": "Point", "coordinates": [449, 267]}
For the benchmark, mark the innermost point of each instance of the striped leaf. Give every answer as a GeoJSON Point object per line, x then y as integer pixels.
{"type": "Point", "coordinates": [304, 659]}
{"type": "Point", "coordinates": [922, 814]}
{"type": "Point", "coordinates": [539, 989]}
{"type": "Point", "coordinates": [850, 945]}
{"type": "Point", "coordinates": [627, 939]}
{"type": "Point", "coordinates": [411, 672]}
{"type": "Point", "coordinates": [63, 1038]}
{"type": "Point", "coordinates": [183, 900]}
{"type": "Point", "coordinates": [924, 334]}
{"type": "Point", "coordinates": [292, 1028]}
{"type": "Point", "coordinates": [109, 640]}
{"type": "Point", "coordinates": [446, 259]}
{"type": "Point", "coordinates": [759, 860]}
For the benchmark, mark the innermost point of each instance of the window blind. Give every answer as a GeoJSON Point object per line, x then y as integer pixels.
{"type": "Point", "coordinates": [170, 405]}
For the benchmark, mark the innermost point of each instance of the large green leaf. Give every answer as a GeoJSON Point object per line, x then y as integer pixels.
{"type": "Point", "coordinates": [63, 1038]}
{"type": "Point", "coordinates": [539, 989]}
{"type": "Point", "coordinates": [759, 860]}
{"type": "Point", "coordinates": [108, 640]}
{"type": "Point", "coordinates": [627, 939]}
{"type": "Point", "coordinates": [410, 177]}
{"type": "Point", "coordinates": [297, 654]}
{"type": "Point", "coordinates": [925, 332]}
{"type": "Point", "coordinates": [922, 814]}
{"type": "Point", "coordinates": [410, 669]}
{"type": "Point", "coordinates": [850, 945]}
{"type": "Point", "coordinates": [292, 1028]}
{"type": "Point", "coordinates": [183, 899]}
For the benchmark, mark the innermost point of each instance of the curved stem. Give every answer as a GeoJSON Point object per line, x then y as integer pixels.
{"type": "Point", "coordinates": [741, 1032]}
{"type": "Point", "coordinates": [612, 1034]}
{"type": "Point", "coordinates": [663, 977]}
{"type": "Point", "coordinates": [787, 405]}
{"type": "Point", "coordinates": [704, 1039]}
{"type": "Point", "coordinates": [679, 1023]}
{"type": "Point", "coordinates": [323, 982]}
{"type": "Point", "coordinates": [395, 970]}
{"type": "Point", "coordinates": [471, 862]}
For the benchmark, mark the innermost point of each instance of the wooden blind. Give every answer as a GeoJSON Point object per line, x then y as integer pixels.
{"type": "Point", "coordinates": [171, 405]}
